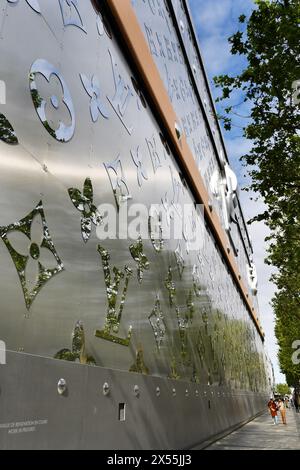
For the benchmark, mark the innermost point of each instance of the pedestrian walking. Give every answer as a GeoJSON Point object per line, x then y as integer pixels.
{"type": "Point", "coordinates": [282, 410]}
{"type": "Point", "coordinates": [273, 410]}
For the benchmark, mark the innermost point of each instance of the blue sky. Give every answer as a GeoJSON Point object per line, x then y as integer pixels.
{"type": "Point", "coordinates": [215, 21]}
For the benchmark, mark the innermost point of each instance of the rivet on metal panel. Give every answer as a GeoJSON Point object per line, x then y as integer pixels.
{"type": "Point", "coordinates": [178, 131]}
{"type": "Point", "coordinates": [106, 389]}
{"type": "Point", "coordinates": [61, 386]}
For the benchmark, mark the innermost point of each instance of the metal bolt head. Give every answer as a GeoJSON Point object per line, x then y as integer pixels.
{"type": "Point", "coordinates": [61, 386]}
{"type": "Point", "coordinates": [178, 131]}
{"type": "Point", "coordinates": [106, 389]}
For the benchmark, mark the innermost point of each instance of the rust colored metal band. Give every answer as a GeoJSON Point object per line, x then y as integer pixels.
{"type": "Point", "coordinates": [132, 34]}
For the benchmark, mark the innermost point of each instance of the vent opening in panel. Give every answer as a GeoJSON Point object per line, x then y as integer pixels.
{"type": "Point", "coordinates": [122, 411]}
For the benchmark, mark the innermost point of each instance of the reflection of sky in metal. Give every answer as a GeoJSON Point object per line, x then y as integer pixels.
{"type": "Point", "coordinates": [74, 169]}
{"type": "Point", "coordinates": [215, 22]}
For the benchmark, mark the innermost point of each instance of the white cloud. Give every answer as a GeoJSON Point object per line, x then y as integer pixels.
{"type": "Point", "coordinates": [216, 52]}
{"type": "Point", "coordinates": [210, 20]}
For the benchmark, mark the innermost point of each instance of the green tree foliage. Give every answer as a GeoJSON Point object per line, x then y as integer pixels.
{"type": "Point", "coordinates": [271, 45]}
{"type": "Point", "coordinates": [283, 389]}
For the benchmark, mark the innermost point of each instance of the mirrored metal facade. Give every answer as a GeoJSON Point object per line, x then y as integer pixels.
{"type": "Point", "coordinates": [87, 136]}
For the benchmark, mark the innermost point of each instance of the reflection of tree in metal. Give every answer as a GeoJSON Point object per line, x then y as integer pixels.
{"type": "Point", "coordinates": [83, 201]}
{"type": "Point", "coordinates": [195, 377]}
{"type": "Point", "coordinates": [197, 280]}
{"type": "Point", "coordinates": [227, 352]}
{"type": "Point", "coordinates": [140, 258]}
{"type": "Point", "coordinates": [34, 4]}
{"type": "Point", "coordinates": [173, 369]}
{"type": "Point", "coordinates": [139, 366]}
{"type": "Point", "coordinates": [156, 319]}
{"type": "Point", "coordinates": [28, 263]}
{"type": "Point", "coordinates": [71, 14]}
{"type": "Point", "coordinates": [155, 229]}
{"type": "Point", "coordinates": [92, 87]}
{"type": "Point", "coordinates": [179, 260]}
{"type": "Point", "coordinates": [78, 351]}
{"type": "Point", "coordinates": [117, 180]}
{"type": "Point", "coordinates": [114, 311]}
{"type": "Point", "coordinates": [64, 133]}
{"type": "Point", "coordinates": [170, 286]}
{"type": "Point", "coordinates": [7, 133]}
{"type": "Point", "coordinates": [183, 321]}
{"type": "Point", "coordinates": [190, 306]}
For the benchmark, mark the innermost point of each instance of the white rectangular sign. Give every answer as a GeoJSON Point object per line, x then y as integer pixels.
{"type": "Point", "coordinates": [2, 92]}
{"type": "Point", "coordinates": [2, 353]}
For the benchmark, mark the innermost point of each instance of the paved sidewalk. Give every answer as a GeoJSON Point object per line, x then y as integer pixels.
{"type": "Point", "coordinates": [262, 434]}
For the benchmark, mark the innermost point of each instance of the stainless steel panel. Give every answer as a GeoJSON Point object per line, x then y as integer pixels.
{"type": "Point", "coordinates": [34, 416]}
{"type": "Point", "coordinates": [169, 32]}
{"type": "Point", "coordinates": [56, 276]}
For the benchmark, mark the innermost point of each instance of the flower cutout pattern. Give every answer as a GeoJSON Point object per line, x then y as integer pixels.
{"type": "Point", "coordinates": [71, 14]}
{"type": "Point", "coordinates": [183, 322]}
{"type": "Point", "coordinates": [116, 298]}
{"type": "Point", "coordinates": [29, 244]}
{"type": "Point", "coordinates": [83, 201]}
{"type": "Point", "coordinates": [179, 260]}
{"type": "Point", "coordinates": [34, 4]}
{"type": "Point", "coordinates": [7, 133]}
{"type": "Point", "coordinates": [77, 353]}
{"type": "Point", "coordinates": [155, 158]}
{"type": "Point", "coordinates": [157, 322]}
{"type": "Point", "coordinates": [137, 253]}
{"type": "Point", "coordinates": [155, 229]}
{"type": "Point", "coordinates": [170, 286]}
{"type": "Point", "coordinates": [92, 88]}
{"type": "Point", "coordinates": [64, 132]}
{"type": "Point", "coordinates": [139, 367]}
{"type": "Point", "coordinates": [118, 181]}
{"type": "Point", "coordinates": [138, 160]}
{"type": "Point", "coordinates": [103, 26]}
